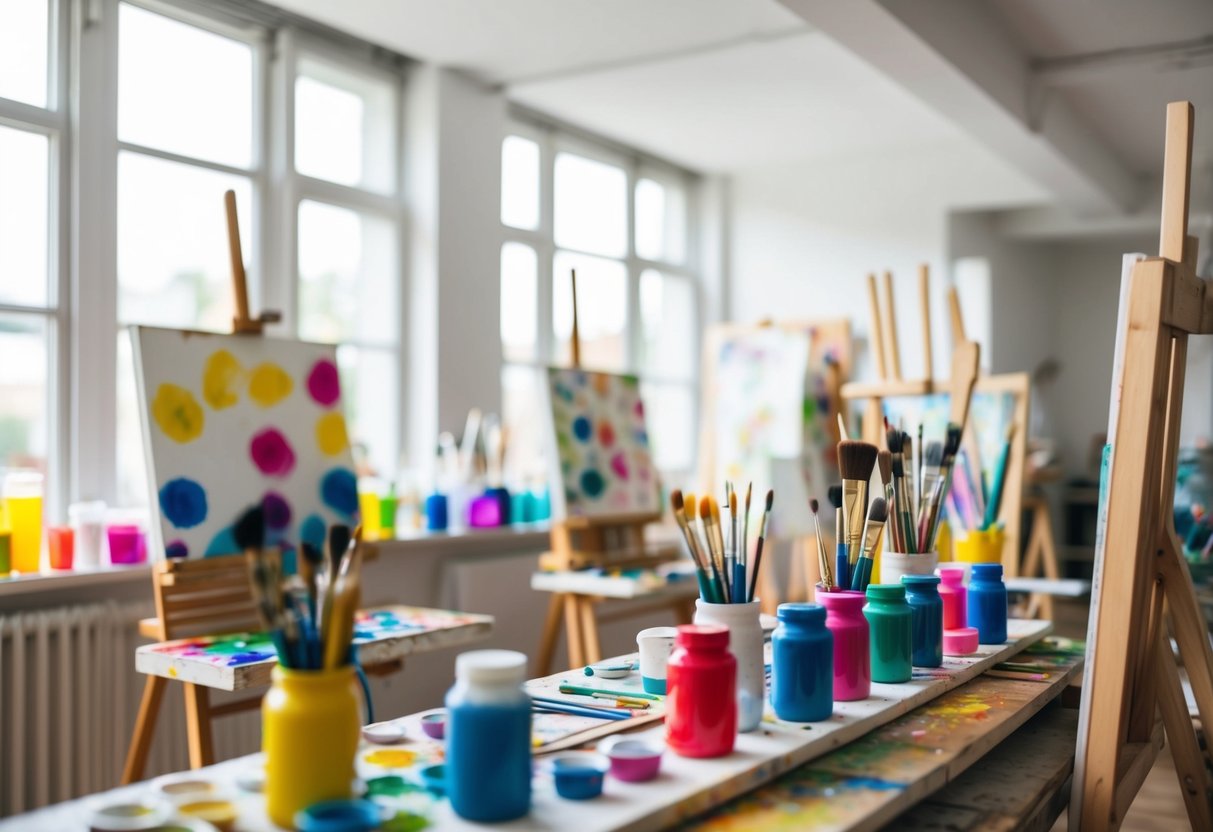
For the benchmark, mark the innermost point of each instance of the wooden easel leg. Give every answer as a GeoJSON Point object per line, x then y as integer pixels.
{"type": "Point", "coordinates": [198, 725]}
{"type": "Point", "coordinates": [572, 630]}
{"type": "Point", "coordinates": [1189, 762]}
{"type": "Point", "coordinates": [551, 631]}
{"type": "Point", "coordinates": [589, 632]}
{"type": "Point", "coordinates": [145, 728]}
{"type": "Point", "coordinates": [1191, 632]}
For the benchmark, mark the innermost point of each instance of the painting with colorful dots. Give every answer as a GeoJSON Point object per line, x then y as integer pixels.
{"type": "Point", "coordinates": [602, 445]}
{"type": "Point", "coordinates": [229, 421]}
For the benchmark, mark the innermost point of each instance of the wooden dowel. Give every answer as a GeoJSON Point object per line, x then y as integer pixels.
{"type": "Point", "coordinates": [1176, 181]}
{"type": "Point", "coordinates": [924, 300]}
{"type": "Point", "coordinates": [890, 322]}
{"type": "Point", "coordinates": [241, 322]}
{"type": "Point", "coordinates": [965, 360]}
{"type": "Point", "coordinates": [875, 338]}
{"type": "Point", "coordinates": [958, 323]}
{"type": "Point", "coordinates": [575, 339]}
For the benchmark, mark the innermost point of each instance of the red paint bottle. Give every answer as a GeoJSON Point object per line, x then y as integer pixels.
{"type": "Point", "coordinates": [701, 699]}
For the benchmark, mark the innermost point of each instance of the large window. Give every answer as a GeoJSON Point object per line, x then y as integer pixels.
{"type": "Point", "coordinates": [622, 223]}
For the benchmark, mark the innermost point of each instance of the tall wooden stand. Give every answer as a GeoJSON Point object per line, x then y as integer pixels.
{"type": "Point", "coordinates": [1142, 580]}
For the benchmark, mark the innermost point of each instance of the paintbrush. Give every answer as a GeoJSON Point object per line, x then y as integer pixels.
{"type": "Point", "coordinates": [688, 534]}
{"type": "Point", "coordinates": [738, 566]}
{"type": "Point", "coordinates": [842, 565]}
{"type": "Point", "coordinates": [762, 536]}
{"type": "Point", "coordinates": [823, 560]}
{"type": "Point", "coordinates": [690, 507]}
{"type": "Point", "coordinates": [884, 464]}
{"type": "Point", "coordinates": [842, 428]}
{"type": "Point", "coordinates": [745, 525]}
{"type": "Point", "coordinates": [249, 534]}
{"type": "Point", "coordinates": [709, 516]}
{"type": "Point", "coordinates": [1000, 479]}
{"type": "Point", "coordinates": [951, 447]}
{"type": "Point", "coordinates": [915, 495]}
{"type": "Point", "coordinates": [930, 473]}
{"type": "Point", "coordinates": [905, 538]}
{"type": "Point", "coordinates": [855, 461]}
{"type": "Point", "coordinates": [345, 604]}
{"type": "Point", "coordinates": [877, 515]}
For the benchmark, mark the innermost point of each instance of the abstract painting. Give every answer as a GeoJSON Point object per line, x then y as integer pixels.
{"type": "Point", "coordinates": [602, 445]}
{"type": "Point", "coordinates": [230, 421]}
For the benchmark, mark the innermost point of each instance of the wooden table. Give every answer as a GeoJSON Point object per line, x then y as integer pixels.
{"type": "Point", "coordinates": [686, 788]}
{"type": "Point", "coordinates": [244, 660]}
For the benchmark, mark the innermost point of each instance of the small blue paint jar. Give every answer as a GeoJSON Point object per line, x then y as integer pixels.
{"type": "Point", "coordinates": [435, 513]}
{"type": "Point", "coordinates": [926, 619]}
{"type": "Point", "coordinates": [988, 603]}
{"type": "Point", "coordinates": [802, 664]}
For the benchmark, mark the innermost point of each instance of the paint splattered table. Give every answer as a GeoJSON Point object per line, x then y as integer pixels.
{"type": "Point", "coordinates": [244, 660]}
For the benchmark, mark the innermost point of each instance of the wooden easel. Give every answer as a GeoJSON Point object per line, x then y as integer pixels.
{"type": "Point", "coordinates": [606, 542]}
{"type": "Point", "coordinates": [1142, 580]}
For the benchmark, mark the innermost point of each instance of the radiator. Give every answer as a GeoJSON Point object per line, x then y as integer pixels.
{"type": "Point", "coordinates": [69, 694]}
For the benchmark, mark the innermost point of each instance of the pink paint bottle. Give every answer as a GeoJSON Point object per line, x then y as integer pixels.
{"type": "Point", "coordinates": [852, 650]}
{"type": "Point", "coordinates": [701, 692]}
{"type": "Point", "coordinates": [952, 591]}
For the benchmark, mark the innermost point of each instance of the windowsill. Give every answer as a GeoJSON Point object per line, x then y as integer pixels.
{"type": "Point", "coordinates": [471, 542]}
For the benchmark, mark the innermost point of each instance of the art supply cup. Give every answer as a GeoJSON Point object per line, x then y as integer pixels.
{"type": "Point", "coordinates": [893, 565]}
{"type": "Point", "coordinates": [889, 622]}
{"type": "Point", "coordinates": [802, 664]}
{"type": "Point", "coordinates": [368, 511]}
{"type": "Point", "coordinates": [953, 594]}
{"type": "Point", "coordinates": [701, 703]}
{"type": "Point", "coordinates": [655, 645]}
{"type": "Point", "coordinates": [852, 645]}
{"type": "Point", "coordinates": [310, 732]}
{"type": "Point", "coordinates": [745, 643]}
{"type": "Point", "coordinates": [926, 619]}
{"type": "Point", "coordinates": [127, 544]}
{"type": "Point", "coordinates": [60, 545]}
{"type": "Point", "coordinates": [488, 737]}
{"type": "Point", "coordinates": [987, 603]}
{"type": "Point", "coordinates": [88, 522]}
{"type": "Point", "coordinates": [22, 493]}
{"type": "Point", "coordinates": [979, 546]}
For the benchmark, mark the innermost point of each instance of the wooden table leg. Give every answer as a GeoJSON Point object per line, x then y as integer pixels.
{"type": "Point", "coordinates": [572, 630]}
{"type": "Point", "coordinates": [551, 631]}
{"type": "Point", "coordinates": [145, 728]}
{"type": "Point", "coordinates": [589, 632]}
{"type": "Point", "coordinates": [198, 725]}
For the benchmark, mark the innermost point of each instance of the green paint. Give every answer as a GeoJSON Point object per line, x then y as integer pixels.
{"type": "Point", "coordinates": [390, 785]}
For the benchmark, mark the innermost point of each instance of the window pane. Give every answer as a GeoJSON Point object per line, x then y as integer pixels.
{"type": "Point", "coordinates": [370, 393]}
{"type": "Point", "coordinates": [24, 190]}
{"type": "Point", "coordinates": [345, 126]}
{"type": "Point", "coordinates": [173, 267]}
{"type": "Point", "coordinates": [184, 89]}
{"type": "Point", "coordinates": [660, 221]}
{"type": "Point", "coordinates": [24, 400]}
{"type": "Point", "coordinates": [519, 300]}
{"type": "Point", "coordinates": [667, 313]}
{"type": "Point", "coordinates": [591, 206]}
{"type": "Point", "coordinates": [520, 182]}
{"type": "Point", "coordinates": [522, 406]}
{"type": "Point", "coordinates": [132, 469]}
{"type": "Point", "coordinates": [23, 51]}
{"type": "Point", "coordinates": [669, 411]}
{"type": "Point", "coordinates": [602, 310]}
{"type": "Point", "coordinates": [348, 276]}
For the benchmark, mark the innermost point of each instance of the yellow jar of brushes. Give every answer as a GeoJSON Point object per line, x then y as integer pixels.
{"type": "Point", "coordinates": [310, 729]}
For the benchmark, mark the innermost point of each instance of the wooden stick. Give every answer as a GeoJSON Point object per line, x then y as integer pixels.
{"type": "Point", "coordinates": [1176, 181]}
{"type": "Point", "coordinates": [241, 322]}
{"type": "Point", "coordinates": [890, 323]}
{"type": "Point", "coordinates": [575, 339]}
{"type": "Point", "coordinates": [924, 300]}
{"type": "Point", "coordinates": [958, 323]}
{"type": "Point", "coordinates": [877, 342]}
{"type": "Point", "coordinates": [965, 360]}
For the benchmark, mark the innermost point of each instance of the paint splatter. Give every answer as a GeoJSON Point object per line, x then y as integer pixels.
{"type": "Point", "coordinates": [177, 549]}
{"type": "Point", "coordinates": [619, 464]}
{"type": "Point", "coordinates": [592, 483]}
{"type": "Point", "coordinates": [606, 435]}
{"type": "Point", "coordinates": [331, 436]}
{"type": "Point", "coordinates": [223, 543]}
{"type": "Point", "coordinates": [271, 453]}
{"type": "Point", "coordinates": [391, 758]}
{"type": "Point", "coordinates": [177, 413]}
{"type": "Point", "coordinates": [220, 379]}
{"type": "Point", "coordinates": [277, 510]}
{"type": "Point", "coordinates": [183, 502]}
{"type": "Point", "coordinates": [339, 491]}
{"type": "Point", "coordinates": [269, 384]}
{"type": "Point", "coordinates": [323, 383]}
{"type": "Point", "coordinates": [312, 531]}
{"type": "Point", "coordinates": [582, 428]}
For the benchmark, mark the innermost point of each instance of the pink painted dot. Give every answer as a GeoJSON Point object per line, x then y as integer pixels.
{"type": "Point", "coordinates": [272, 454]}
{"type": "Point", "coordinates": [323, 383]}
{"type": "Point", "coordinates": [619, 464]}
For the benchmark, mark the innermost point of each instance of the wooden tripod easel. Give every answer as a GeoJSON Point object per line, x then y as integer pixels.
{"type": "Point", "coordinates": [1141, 577]}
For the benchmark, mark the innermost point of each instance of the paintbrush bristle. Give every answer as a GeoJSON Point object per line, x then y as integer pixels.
{"type": "Point", "coordinates": [706, 506]}
{"type": "Point", "coordinates": [934, 454]}
{"type": "Point", "coordinates": [878, 511]}
{"type": "Point", "coordinates": [813, 504]}
{"type": "Point", "coordinates": [834, 495]}
{"type": "Point", "coordinates": [733, 503]}
{"type": "Point", "coordinates": [951, 445]}
{"type": "Point", "coordinates": [339, 541]}
{"type": "Point", "coordinates": [892, 438]}
{"type": "Point", "coordinates": [856, 459]}
{"type": "Point", "coordinates": [884, 461]}
{"type": "Point", "coordinates": [750, 487]}
{"type": "Point", "coordinates": [770, 499]}
{"type": "Point", "coordinates": [676, 500]}
{"type": "Point", "coordinates": [249, 531]}
{"type": "Point", "coordinates": [898, 467]}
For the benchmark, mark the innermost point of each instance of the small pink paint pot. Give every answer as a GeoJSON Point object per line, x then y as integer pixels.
{"type": "Point", "coordinates": [434, 725]}
{"type": "Point", "coordinates": [633, 759]}
{"type": "Point", "coordinates": [852, 646]}
{"type": "Point", "coordinates": [127, 544]}
{"type": "Point", "coordinates": [960, 642]}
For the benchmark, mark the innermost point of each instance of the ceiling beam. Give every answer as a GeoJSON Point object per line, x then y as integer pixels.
{"type": "Point", "coordinates": [957, 57]}
{"type": "Point", "coordinates": [1100, 66]}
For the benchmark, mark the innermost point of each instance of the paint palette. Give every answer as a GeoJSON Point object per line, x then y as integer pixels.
{"type": "Point", "coordinates": [232, 421]}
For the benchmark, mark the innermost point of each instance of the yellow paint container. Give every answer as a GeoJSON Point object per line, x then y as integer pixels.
{"type": "Point", "coordinates": [310, 735]}
{"type": "Point", "coordinates": [981, 546]}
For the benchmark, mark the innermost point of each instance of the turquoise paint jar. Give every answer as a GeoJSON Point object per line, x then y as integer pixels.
{"type": "Point", "coordinates": [890, 625]}
{"type": "Point", "coordinates": [926, 619]}
{"type": "Point", "coordinates": [802, 664]}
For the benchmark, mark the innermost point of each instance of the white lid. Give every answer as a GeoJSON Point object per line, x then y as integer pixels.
{"type": "Point", "coordinates": [491, 667]}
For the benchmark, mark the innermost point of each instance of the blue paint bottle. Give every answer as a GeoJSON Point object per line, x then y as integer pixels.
{"type": "Point", "coordinates": [926, 619]}
{"type": "Point", "coordinates": [488, 737]}
{"type": "Point", "coordinates": [988, 603]}
{"type": "Point", "coordinates": [802, 666]}
{"type": "Point", "coordinates": [436, 512]}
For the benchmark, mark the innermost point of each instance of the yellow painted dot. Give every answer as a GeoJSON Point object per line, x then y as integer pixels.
{"type": "Point", "coordinates": [391, 758]}
{"type": "Point", "coordinates": [220, 379]}
{"type": "Point", "coordinates": [269, 384]}
{"type": "Point", "coordinates": [330, 433]}
{"type": "Point", "coordinates": [177, 413]}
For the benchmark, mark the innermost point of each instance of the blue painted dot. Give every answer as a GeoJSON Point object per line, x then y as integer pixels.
{"type": "Point", "coordinates": [177, 549]}
{"type": "Point", "coordinates": [313, 531]}
{"type": "Point", "coordinates": [339, 491]}
{"type": "Point", "coordinates": [223, 543]}
{"type": "Point", "coordinates": [582, 428]}
{"type": "Point", "coordinates": [183, 502]}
